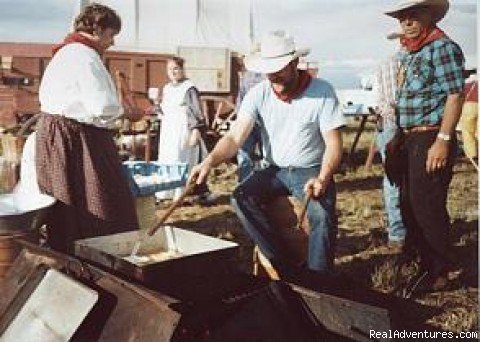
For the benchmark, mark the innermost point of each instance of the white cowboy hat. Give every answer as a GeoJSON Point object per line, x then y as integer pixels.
{"type": "Point", "coordinates": [438, 8]}
{"type": "Point", "coordinates": [276, 50]}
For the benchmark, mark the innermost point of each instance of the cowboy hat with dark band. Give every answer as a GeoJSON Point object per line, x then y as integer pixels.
{"type": "Point", "coordinates": [276, 50]}
{"type": "Point", "coordinates": [438, 8]}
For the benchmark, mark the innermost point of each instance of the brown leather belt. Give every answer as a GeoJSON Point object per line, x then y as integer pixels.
{"type": "Point", "coordinates": [417, 129]}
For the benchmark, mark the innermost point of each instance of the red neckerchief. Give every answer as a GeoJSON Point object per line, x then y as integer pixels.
{"type": "Point", "coordinates": [415, 44]}
{"type": "Point", "coordinates": [304, 79]}
{"type": "Point", "coordinates": [75, 37]}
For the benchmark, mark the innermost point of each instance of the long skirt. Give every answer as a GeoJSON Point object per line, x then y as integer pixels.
{"type": "Point", "coordinates": [173, 145]}
{"type": "Point", "coordinates": [79, 165]}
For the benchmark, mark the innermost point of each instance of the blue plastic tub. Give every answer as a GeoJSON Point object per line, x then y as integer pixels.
{"type": "Point", "coordinates": [145, 178]}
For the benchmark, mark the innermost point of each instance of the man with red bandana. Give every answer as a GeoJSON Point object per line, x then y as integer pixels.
{"type": "Point", "coordinates": [429, 102]}
{"type": "Point", "coordinates": [299, 120]}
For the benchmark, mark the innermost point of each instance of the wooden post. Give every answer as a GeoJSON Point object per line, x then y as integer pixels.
{"type": "Point", "coordinates": [148, 143]}
{"type": "Point", "coordinates": [357, 137]}
{"type": "Point", "coordinates": [371, 154]}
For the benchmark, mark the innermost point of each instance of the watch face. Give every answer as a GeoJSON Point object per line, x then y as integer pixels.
{"type": "Point", "coordinates": [443, 136]}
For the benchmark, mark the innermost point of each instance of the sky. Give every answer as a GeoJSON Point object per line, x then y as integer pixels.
{"type": "Point", "coordinates": [346, 37]}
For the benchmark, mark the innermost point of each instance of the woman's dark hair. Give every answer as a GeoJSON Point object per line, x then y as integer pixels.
{"type": "Point", "coordinates": [97, 16]}
{"type": "Point", "coordinates": [178, 61]}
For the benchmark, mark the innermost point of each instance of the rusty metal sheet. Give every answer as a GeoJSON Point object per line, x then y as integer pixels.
{"type": "Point", "coordinates": [349, 318]}
{"type": "Point", "coordinates": [22, 273]}
{"type": "Point", "coordinates": [135, 316]}
{"type": "Point", "coordinates": [123, 309]}
{"type": "Point", "coordinates": [14, 294]}
{"type": "Point", "coordinates": [43, 315]}
{"type": "Point", "coordinates": [272, 313]}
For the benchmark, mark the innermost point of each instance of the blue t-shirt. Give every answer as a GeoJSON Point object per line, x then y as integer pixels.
{"type": "Point", "coordinates": [292, 132]}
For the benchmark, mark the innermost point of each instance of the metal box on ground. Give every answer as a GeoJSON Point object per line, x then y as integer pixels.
{"type": "Point", "coordinates": [200, 260]}
{"type": "Point", "coordinates": [146, 178]}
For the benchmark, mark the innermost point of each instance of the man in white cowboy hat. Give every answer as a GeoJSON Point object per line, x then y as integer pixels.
{"type": "Point", "coordinates": [429, 102]}
{"type": "Point", "coordinates": [299, 118]}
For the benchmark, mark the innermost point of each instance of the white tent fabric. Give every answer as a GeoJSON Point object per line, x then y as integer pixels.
{"type": "Point", "coordinates": [162, 26]}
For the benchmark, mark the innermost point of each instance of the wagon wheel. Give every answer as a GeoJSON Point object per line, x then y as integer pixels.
{"type": "Point", "coordinates": [219, 113]}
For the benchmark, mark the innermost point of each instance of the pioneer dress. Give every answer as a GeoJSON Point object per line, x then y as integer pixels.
{"type": "Point", "coordinates": [77, 161]}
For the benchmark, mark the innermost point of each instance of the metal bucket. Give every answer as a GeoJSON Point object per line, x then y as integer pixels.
{"type": "Point", "coordinates": [20, 214]}
{"type": "Point", "coordinates": [18, 222]}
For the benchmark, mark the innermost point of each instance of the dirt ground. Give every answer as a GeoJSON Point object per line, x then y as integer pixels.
{"type": "Point", "coordinates": [361, 252]}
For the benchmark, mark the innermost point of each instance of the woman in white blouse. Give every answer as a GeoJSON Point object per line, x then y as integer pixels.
{"type": "Point", "coordinates": [76, 158]}
{"type": "Point", "coordinates": [183, 125]}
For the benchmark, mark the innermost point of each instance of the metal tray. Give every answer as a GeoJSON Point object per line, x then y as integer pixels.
{"type": "Point", "coordinates": [202, 256]}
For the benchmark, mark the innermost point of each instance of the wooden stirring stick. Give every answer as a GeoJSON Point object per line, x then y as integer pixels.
{"type": "Point", "coordinates": [169, 211]}
{"type": "Point", "coordinates": [301, 217]}
{"type": "Point", "coordinates": [189, 188]}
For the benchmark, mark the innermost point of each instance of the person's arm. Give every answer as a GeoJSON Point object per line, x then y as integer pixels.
{"type": "Point", "coordinates": [330, 163]}
{"type": "Point", "coordinates": [225, 148]}
{"type": "Point", "coordinates": [381, 103]}
{"type": "Point", "coordinates": [438, 153]}
{"type": "Point", "coordinates": [330, 122]}
{"type": "Point", "coordinates": [378, 91]}
{"type": "Point", "coordinates": [195, 118]}
{"type": "Point", "coordinates": [242, 90]}
{"type": "Point", "coordinates": [448, 64]}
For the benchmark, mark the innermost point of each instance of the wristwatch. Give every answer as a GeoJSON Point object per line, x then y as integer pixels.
{"type": "Point", "coordinates": [443, 136]}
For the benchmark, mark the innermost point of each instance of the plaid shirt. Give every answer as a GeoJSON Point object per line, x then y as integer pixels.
{"type": "Point", "coordinates": [431, 74]}
{"type": "Point", "coordinates": [385, 86]}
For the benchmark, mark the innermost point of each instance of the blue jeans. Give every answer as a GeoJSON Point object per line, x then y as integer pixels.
{"type": "Point", "coordinates": [245, 153]}
{"type": "Point", "coordinates": [264, 185]}
{"type": "Point", "coordinates": [391, 193]}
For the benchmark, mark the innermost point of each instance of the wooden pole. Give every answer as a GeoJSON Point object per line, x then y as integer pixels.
{"type": "Point", "coordinates": [178, 202]}
{"type": "Point", "coordinates": [301, 217]}
{"type": "Point", "coordinates": [371, 154]}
